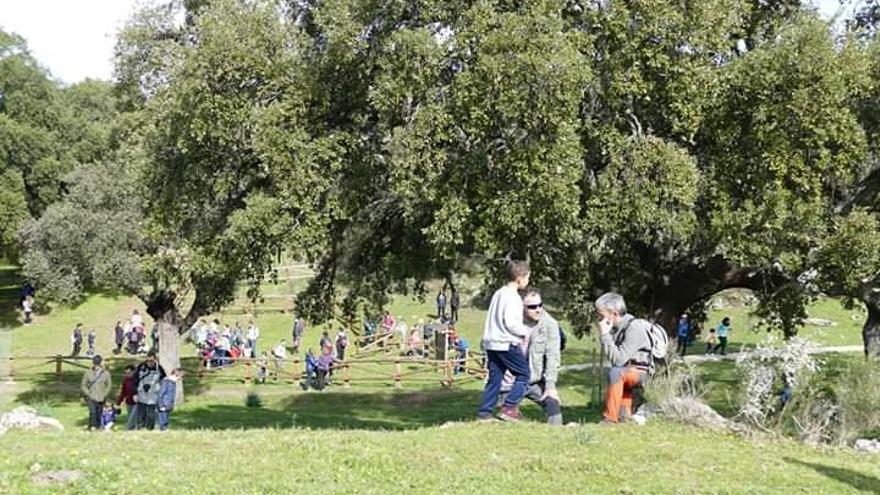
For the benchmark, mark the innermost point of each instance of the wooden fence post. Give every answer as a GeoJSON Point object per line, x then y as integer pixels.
{"type": "Point", "coordinates": [346, 376]}
{"type": "Point", "coordinates": [397, 373]}
{"type": "Point", "coordinates": [58, 367]}
{"type": "Point", "coordinates": [247, 373]}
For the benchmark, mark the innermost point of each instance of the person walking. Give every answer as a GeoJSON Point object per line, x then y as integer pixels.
{"type": "Point", "coordinates": [91, 337]}
{"type": "Point", "coordinates": [723, 331]}
{"type": "Point", "coordinates": [95, 386]}
{"type": "Point", "coordinates": [683, 334]}
{"type": "Point", "coordinates": [127, 394]}
{"type": "Point", "coordinates": [299, 327]}
{"type": "Point", "coordinates": [504, 339]}
{"type": "Point", "coordinates": [76, 339]}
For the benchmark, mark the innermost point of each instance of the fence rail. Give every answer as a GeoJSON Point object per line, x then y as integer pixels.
{"type": "Point", "coordinates": [391, 370]}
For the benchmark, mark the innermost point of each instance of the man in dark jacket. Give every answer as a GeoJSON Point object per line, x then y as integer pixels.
{"type": "Point", "coordinates": [126, 394]}
{"type": "Point", "coordinates": [148, 378]}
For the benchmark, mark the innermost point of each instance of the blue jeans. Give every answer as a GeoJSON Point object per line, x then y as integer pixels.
{"type": "Point", "coordinates": [163, 420]}
{"type": "Point", "coordinates": [512, 360]}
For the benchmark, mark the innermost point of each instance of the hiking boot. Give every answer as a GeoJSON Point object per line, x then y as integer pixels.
{"type": "Point", "coordinates": [510, 414]}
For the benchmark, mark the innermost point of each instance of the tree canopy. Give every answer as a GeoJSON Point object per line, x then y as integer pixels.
{"type": "Point", "coordinates": [665, 150]}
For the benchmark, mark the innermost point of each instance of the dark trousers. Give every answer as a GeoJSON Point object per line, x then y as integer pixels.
{"type": "Point", "coordinates": [453, 313]}
{"type": "Point", "coordinates": [321, 381]}
{"type": "Point", "coordinates": [95, 409]}
{"type": "Point", "coordinates": [552, 408]}
{"type": "Point", "coordinates": [146, 416]}
{"type": "Point", "coordinates": [682, 345]}
{"type": "Point", "coordinates": [511, 360]}
{"type": "Point", "coordinates": [722, 344]}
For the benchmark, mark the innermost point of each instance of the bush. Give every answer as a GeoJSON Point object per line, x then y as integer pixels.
{"type": "Point", "coordinates": [253, 400]}
{"type": "Point", "coordinates": [766, 372]}
{"type": "Point", "coordinates": [857, 392]}
{"type": "Point", "coordinates": [676, 381]}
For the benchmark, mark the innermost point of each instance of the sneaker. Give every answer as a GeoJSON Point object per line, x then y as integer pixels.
{"type": "Point", "coordinates": [510, 414]}
{"type": "Point", "coordinates": [485, 418]}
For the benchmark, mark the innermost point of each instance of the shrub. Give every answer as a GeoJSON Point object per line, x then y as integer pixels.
{"type": "Point", "coordinates": [766, 371]}
{"type": "Point", "coordinates": [253, 400]}
{"type": "Point", "coordinates": [857, 392]}
{"type": "Point", "coordinates": [677, 381]}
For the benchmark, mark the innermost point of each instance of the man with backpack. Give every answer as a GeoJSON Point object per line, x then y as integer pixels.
{"type": "Point", "coordinates": [148, 378]}
{"type": "Point", "coordinates": [633, 347]}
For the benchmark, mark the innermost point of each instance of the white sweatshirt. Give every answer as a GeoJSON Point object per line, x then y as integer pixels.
{"type": "Point", "coordinates": [504, 322]}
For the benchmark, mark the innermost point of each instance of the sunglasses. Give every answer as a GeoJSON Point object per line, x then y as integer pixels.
{"type": "Point", "coordinates": [535, 306]}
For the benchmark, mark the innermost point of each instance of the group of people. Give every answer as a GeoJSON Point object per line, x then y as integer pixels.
{"type": "Point", "coordinates": [522, 344]}
{"type": "Point", "coordinates": [147, 392]}
{"type": "Point", "coordinates": [454, 304]}
{"type": "Point", "coordinates": [715, 339]}
{"type": "Point", "coordinates": [132, 335]}
{"type": "Point", "coordinates": [220, 345]}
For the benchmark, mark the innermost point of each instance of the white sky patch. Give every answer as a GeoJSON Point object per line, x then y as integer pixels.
{"type": "Point", "coordinates": [74, 39]}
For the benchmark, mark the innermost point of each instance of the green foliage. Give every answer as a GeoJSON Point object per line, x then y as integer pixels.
{"type": "Point", "coordinates": [253, 400]}
{"type": "Point", "coordinates": [857, 394]}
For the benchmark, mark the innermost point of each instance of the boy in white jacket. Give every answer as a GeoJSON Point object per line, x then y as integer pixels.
{"type": "Point", "coordinates": [504, 338]}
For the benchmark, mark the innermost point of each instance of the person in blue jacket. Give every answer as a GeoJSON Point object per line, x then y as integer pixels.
{"type": "Point", "coordinates": [167, 394]}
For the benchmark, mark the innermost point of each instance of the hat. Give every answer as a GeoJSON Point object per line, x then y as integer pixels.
{"type": "Point", "coordinates": [97, 360]}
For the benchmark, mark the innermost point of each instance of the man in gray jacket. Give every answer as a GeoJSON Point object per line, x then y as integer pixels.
{"type": "Point", "coordinates": [627, 345]}
{"type": "Point", "coordinates": [544, 357]}
{"type": "Point", "coordinates": [95, 387]}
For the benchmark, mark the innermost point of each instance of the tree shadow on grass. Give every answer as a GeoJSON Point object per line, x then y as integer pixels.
{"type": "Point", "coordinates": [339, 411]}
{"type": "Point", "coordinates": [852, 478]}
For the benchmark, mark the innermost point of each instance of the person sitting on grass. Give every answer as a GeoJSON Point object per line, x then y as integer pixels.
{"type": "Point", "coordinates": [108, 416]}
{"type": "Point", "coordinates": [627, 344]}
{"type": "Point", "coordinates": [167, 395]}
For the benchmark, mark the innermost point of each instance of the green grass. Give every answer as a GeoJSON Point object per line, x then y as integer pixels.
{"type": "Point", "coordinates": [463, 458]}
{"type": "Point", "coordinates": [373, 438]}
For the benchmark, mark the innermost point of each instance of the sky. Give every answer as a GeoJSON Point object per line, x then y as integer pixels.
{"type": "Point", "coordinates": [74, 39]}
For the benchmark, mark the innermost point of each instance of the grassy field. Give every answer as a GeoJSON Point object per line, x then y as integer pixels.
{"type": "Point", "coordinates": [374, 438]}
{"type": "Point", "coordinates": [461, 458]}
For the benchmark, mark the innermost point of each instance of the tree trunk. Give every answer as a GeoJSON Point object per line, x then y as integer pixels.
{"type": "Point", "coordinates": [162, 307]}
{"type": "Point", "coordinates": [169, 351]}
{"type": "Point", "coordinates": [871, 330]}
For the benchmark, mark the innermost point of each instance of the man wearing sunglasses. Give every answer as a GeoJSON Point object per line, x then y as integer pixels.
{"type": "Point", "coordinates": [543, 353]}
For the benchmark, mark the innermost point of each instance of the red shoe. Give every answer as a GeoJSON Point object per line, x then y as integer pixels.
{"type": "Point", "coordinates": [510, 414]}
